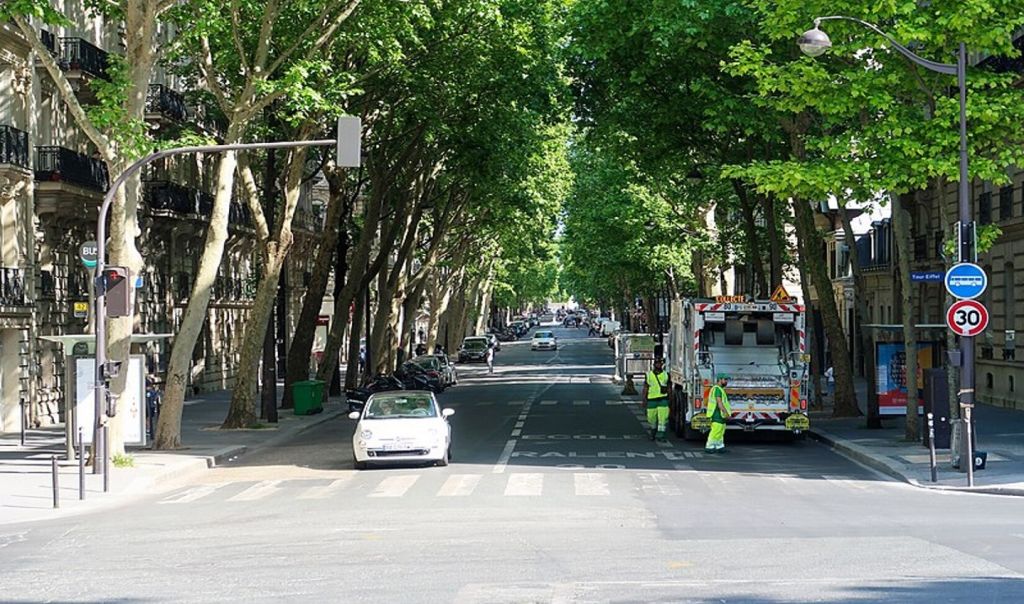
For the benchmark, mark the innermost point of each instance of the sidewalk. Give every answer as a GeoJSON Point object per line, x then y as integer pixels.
{"type": "Point", "coordinates": [26, 477]}
{"type": "Point", "coordinates": [1000, 432]}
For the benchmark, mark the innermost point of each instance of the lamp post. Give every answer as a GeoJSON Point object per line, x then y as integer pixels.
{"type": "Point", "coordinates": [815, 43]}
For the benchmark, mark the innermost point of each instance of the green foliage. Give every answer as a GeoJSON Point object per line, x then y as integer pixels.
{"type": "Point", "coordinates": [110, 114]}
{"type": "Point", "coordinates": [36, 9]}
{"type": "Point", "coordinates": [121, 460]}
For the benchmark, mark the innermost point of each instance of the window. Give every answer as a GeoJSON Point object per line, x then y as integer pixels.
{"type": "Point", "coordinates": [985, 208]}
{"type": "Point", "coordinates": [1011, 383]}
{"type": "Point", "coordinates": [1006, 203]}
{"type": "Point", "coordinates": [988, 380]}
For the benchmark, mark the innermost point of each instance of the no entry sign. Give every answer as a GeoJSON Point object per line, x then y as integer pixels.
{"type": "Point", "coordinates": [967, 318]}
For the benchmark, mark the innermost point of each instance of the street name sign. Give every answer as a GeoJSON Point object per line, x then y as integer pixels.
{"type": "Point", "coordinates": [967, 318]}
{"type": "Point", "coordinates": [927, 276]}
{"type": "Point", "coordinates": [966, 281]}
{"type": "Point", "coordinates": [89, 253]}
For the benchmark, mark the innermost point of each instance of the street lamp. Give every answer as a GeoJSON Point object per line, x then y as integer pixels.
{"type": "Point", "coordinates": [815, 43]}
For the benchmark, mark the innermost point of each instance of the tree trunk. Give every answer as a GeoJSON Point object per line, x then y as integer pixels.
{"type": "Point", "coordinates": [864, 336]}
{"type": "Point", "coordinates": [842, 366]}
{"type": "Point", "coordinates": [168, 435]}
{"type": "Point", "coordinates": [243, 412]}
{"type": "Point", "coordinates": [352, 374]}
{"type": "Point", "coordinates": [755, 259]}
{"type": "Point", "coordinates": [904, 246]}
{"type": "Point", "coordinates": [811, 329]}
{"type": "Point", "coordinates": [299, 353]}
{"type": "Point", "coordinates": [774, 242]}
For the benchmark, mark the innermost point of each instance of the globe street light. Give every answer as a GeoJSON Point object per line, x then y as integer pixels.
{"type": "Point", "coordinates": [815, 43]}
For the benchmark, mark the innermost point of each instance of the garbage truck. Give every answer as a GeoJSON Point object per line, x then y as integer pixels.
{"type": "Point", "coordinates": [760, 345]}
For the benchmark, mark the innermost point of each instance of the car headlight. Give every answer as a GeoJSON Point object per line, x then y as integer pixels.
{"type": "Point", "coordinates": [362, 443]}
{"type": "Point", "coordinates": [366, 435]}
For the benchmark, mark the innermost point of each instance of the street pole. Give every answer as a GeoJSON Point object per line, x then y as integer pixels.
{"type": "Point", "coordinates": [966, 254]}
{"type": "Point", "coordinates": [348, 150]}
{"type": "Point", "coordinates": [814, 43]}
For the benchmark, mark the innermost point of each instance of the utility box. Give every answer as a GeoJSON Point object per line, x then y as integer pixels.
{"type": "Point", "coordinates": [936, 402]}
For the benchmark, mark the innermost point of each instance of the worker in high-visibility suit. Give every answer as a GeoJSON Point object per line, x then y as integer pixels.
{"type": "Point", "coordinates": [655, 398]}
{"type": "Point", "coordinates": [718, 410]}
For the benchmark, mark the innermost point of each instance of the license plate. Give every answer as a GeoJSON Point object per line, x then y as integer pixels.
{"type": "Point", "coordinates": [397, 446]}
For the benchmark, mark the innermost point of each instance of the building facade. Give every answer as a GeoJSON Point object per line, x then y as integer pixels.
{"type": "Point", "coordinates": [51, 185]}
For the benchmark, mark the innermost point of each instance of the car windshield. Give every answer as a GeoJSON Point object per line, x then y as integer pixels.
{"type": "Point", "coordinates": [475, 344]}
{"type": "Point", "coordinates": [388, 407]}
{"type": "Point", "coordinates": [543, 334]}
{"type": "Point", "coordinates": [430, 362]}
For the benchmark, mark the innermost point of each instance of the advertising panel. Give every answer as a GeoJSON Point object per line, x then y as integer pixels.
{"type": "Point", "coordinates": [892, 375]}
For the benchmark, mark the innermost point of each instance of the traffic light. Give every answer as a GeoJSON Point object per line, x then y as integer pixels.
{"type": "Point", "coordinates": [118, 291]}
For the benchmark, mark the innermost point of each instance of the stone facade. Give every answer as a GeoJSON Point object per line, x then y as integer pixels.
{"type": "Point", "coordinates": [50, 187]}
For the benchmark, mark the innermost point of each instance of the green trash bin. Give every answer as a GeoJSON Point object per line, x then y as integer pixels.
{"type": "Point", "coordinates": [308, 397]}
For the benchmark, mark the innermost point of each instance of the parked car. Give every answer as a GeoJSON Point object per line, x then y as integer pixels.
{"type": "Point", "coordinates": [520, 327]}
{"type": "Point", "coordinates": [544, 340]}
{"type": "Point", "coordinates": [507, 335]}
{"type": "Point", "coordinates": [449, 368]}
{"type": "Point", "coordinates": [357, 397]}
{"type": "Point", "coordinates": [473, 348]}
{"type": "Point", "coordinates": [402, 426]}
{"type": "Point", "coordinates": [417, 377]}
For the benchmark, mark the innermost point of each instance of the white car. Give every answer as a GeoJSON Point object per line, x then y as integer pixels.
{"type": "Point", "coordinates": [400, 426]}
{"type": "Point", "coordinates": [544, 340]}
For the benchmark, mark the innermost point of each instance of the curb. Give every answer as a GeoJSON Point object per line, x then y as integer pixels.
{"type": "Point", "coordinates": [896, 470]}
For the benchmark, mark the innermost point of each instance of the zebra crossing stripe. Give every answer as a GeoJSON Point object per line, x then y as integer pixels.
{"type": "Point", "coordinates": [611, 403]}
{"type": "Point", "coordinates": [524, 485]}
{"type": "Point", "coordinates": [580, 403]}
{"type": "Point", "coordinates": [191, 494]}
{"type": "Point", "coordinates": [657, 483]}
{"type": "Point", "coordinates": [327, 490]}
{"type": "Point", "coordinates": [549, 403]}
{"type": "Point", "coordinates": [395, 486]}
{"type": "Point", "coordinates": [590, 484]}
{"type": "Point", "coordinates": [459, 485]}
{"type": "Point", "coordinates": [259, 490]}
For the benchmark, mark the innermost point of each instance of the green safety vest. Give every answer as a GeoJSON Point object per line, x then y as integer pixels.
{"type": "Point", "coordinates": [718, 413]}
{"type": "Point", "coordinates": [656, 385]}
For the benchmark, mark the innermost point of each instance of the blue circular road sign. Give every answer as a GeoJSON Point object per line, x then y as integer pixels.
{"type": "Point", "coordinates": [966, 281]}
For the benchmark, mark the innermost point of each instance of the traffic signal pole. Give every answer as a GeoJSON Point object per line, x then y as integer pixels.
{"type": "Point", "coordinates": [348, 149]}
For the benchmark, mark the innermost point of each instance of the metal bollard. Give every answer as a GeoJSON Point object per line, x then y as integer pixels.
{"type": "Point", "coordinates": [81, 466]}
{"type": "Point", "coordinates": [970, 445]}
{"type": "Point", "coordinates": [106, 459]}
{"type": "Point", "coordinates": [56, 481]}
{"type": "Point", "coordinates": [931, 446]}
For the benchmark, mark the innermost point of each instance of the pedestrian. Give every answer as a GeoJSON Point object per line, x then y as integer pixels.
{"type": "Point", "coordinates": [152, 406]}
{"type": "Point", "coordinates": [830, 382]}
{"type": "Point", "coordinates": [490, 359]}
{"type": "Point", "coordinates": [655, 399]}
{"type": "Point", "coordinates": [719, 411]}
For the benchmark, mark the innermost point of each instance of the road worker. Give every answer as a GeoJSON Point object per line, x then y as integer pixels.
{"type": "Point", "coordinates": [718, 410]}
{"type": "Point", "coordinates": [655, 399]}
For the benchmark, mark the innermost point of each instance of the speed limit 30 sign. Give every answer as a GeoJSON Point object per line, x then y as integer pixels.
{"type": "Point", "coordinates": [967, 318]}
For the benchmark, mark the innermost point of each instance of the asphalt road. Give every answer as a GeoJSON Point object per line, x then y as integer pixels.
{"type": "Point", "coordinates": [555, 494]}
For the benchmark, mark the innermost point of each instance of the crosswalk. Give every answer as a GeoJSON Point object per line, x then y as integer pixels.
{"type": "Point", "coordinates": [584, 483]}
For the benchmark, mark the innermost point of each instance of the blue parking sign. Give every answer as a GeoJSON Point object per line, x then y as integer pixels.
{"type": "Point", "coordinates": [966, 281]}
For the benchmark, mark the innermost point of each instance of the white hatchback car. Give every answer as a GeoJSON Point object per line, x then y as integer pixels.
{"type": "Point", "coordinates": [401, 426]}
{"type": "Point", "coordinates": [544, 340]}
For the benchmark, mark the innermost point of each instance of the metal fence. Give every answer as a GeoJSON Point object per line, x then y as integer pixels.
{"type": "Point", "coordinates": [79, 55]}
{"type": "Point", "coordinates": [166, 101]}
{"type": "Point", "coordinates": [64, 165]}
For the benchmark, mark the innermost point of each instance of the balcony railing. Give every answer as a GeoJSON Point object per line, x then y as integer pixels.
{"type": "Point", "coordinates": [58, 164]}
{"type": "Point", "coordinates": [79, 55]}
{"type": "Point", "coordinates": [167, 102]}
{"type": "Point", "coordinates": [171, 197]}
{"type": "Point", "coordinates": [13, 146]}
{"type": "Point", "coordinates": [12, 287]}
